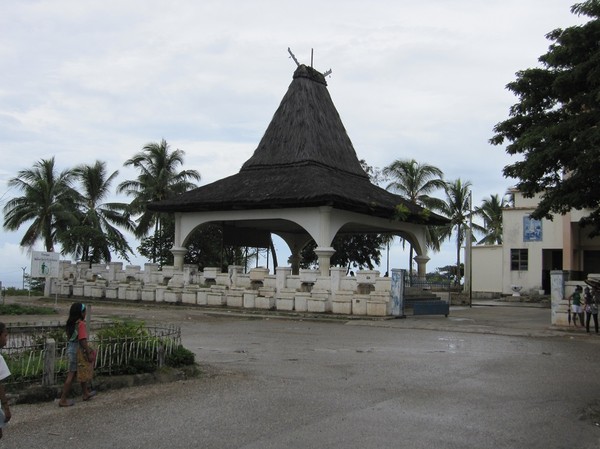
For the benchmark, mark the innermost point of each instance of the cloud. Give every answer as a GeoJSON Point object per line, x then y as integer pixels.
{"type": "Point", "coordinates": [99, 79]}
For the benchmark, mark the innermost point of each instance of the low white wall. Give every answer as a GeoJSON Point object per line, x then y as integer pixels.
{"type": "Point", "coordinates": [256, 289]}
{"type": "Point", "coordinates": [487, 269]}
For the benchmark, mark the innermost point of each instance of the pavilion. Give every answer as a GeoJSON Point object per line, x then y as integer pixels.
{"type": "Point", "coordinates": [304, 181]}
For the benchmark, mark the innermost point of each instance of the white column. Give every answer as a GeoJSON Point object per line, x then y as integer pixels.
{"type": "Point", "coordinates": [323, 250]}
{"type": "Point", "coordinates": [324, 255]}
{"type": "Point", "coordinates": [281, 275]}
{"type": "Point", "coordinates": [421, 266]}
{"type": "Point", "coordinates": [559, 307]}
{"type": "Point", "coordinates": [178, 253]}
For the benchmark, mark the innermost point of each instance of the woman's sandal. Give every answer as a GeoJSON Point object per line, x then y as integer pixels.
{"type": "Point", "coordinates": [69, 403]}
{"type": "Point", "coordinates": [90, 395]}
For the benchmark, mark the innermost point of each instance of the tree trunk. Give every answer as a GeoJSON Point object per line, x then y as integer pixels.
{"type": "Point", "coordinates": [154, 243]}
{"type": "Point", "coordinates": [272, 248]}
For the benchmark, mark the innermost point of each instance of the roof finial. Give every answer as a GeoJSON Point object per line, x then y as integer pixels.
{"type": "Point", "coordinates": [293, 57]}
{"type": "Point", "coordinates": [327, 73]}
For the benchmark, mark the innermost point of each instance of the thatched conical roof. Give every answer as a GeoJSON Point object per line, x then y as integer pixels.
{"type": "Point", "coordinates": [306, 129]}
{"type": "Point", "coordinates": [304, 159]}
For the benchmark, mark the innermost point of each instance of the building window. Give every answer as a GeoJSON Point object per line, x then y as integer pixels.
{"type": "Point", "coordinates": [518, 260]}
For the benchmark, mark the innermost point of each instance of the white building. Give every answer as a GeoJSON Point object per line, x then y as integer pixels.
{"type": "Point", "coordinates": [531, 249]}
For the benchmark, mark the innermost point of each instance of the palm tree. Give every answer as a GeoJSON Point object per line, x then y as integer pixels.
{"type": "Point", "coordinates": [490, 212]}
{"type": "Point", "coordinates": [158, 179]}
{"type": "Point", "coordinates": [47, 203]}
{"type": "Point", "coordinates": [509, 198]}
{"type": "Point", "coordinates": [416, 181]}
{"type": "Point", "coordinates": [457, 209]}
{"type": "Point", "coordinates": [96, 236]}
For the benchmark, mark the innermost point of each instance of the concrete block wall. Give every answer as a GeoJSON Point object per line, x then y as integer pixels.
{"type": "Point", "coordinates": [305, 292]}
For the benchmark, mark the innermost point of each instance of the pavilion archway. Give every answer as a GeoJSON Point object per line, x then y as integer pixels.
{"type": "Point", "coordinates": [297, 227]}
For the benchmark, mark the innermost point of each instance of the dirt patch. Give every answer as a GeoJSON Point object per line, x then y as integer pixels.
{"type": "Point", "coordinates": [591, 413]}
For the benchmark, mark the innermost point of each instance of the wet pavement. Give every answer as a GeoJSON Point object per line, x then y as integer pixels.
{"type": "Point", "coordinates": [484, 316]}
{"type": "Point", "coordinates": [488, 376]}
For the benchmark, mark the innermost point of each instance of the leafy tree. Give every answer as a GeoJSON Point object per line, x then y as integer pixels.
{"type": "Point", "coordinates": [47, 202]}
{"type": "Point", "coordinates": [416, 182]}
{"type": "Point", "coordinates": [238, 255]}
{"type": "Point", "coordinates": [490, 212]}
{"type": "Point", "coordinates": [204, 248]}
{"type": "Point", "coordinates": [509, 198]}
{"type": "Point", "coordinates": [96, 236]}
{"type": "Point", "coordinates": [34, 284]}
{"type": "Point", "coordinates": [158, 179]}
{"type": "Point", "coordinates": [457, 209]}
{"type": "Point", "coordinates": [553, 129]}
{"type": "Point", "coordinates": [353, 251]}
{"type": "Point", "coordinates": [375, 174]}
{"type": "Point", "coordinates": [447, 272]}
{"type": "Point", "coordinates": [157, 246]}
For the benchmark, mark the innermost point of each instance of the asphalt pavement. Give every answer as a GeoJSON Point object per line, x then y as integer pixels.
{"type": "Point", "coordinates": [483, 316]}
{"type": "Point", "coordinates": [487, 376]}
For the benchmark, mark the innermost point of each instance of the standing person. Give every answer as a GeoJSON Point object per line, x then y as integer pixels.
{"type": "Point", "coordinates": [77, 338]}
{"type": "Point", "coordinates": [4, 373]}
{"type": "Point", "coordinates": [575, 300]}
{"type": "Point", "coordinates": [591, 299]}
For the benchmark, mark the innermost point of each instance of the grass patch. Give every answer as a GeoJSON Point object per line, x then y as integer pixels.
{"type": "Point", "coordinates": [17, 309]}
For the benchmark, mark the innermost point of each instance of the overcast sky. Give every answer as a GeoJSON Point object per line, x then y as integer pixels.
{"type": "Point", "coordinates": [97, 80]}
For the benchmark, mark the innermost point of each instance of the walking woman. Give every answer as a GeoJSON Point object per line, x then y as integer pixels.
{"type": "Point", "coordinates": [591, 307]}
{"type": "Point", "coordinates": [77, 348]}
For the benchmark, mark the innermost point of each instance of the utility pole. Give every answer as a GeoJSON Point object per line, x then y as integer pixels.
{"type": "Point", "coordinates": [469, 255]}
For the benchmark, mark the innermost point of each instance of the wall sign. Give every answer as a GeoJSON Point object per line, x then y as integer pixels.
{"type": "Point", "coordinates": [532, 229]}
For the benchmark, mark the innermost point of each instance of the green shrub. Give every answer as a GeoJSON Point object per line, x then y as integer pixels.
{"type": "Point", "coordinates": [17, 309]}
{"type": "Point", "coordinates": [138, 366]}
{"type": "Point", "coordinates": [12, 291]}
{"type": "Point", "coordinates": [118, 333]}
{"type": "Point", "coordinates": [58, 334]}
{"type": "Point", "coordinates": [122, 330]}
{"type": "Point", "coordinates": [180, 357]}
{"type": "Point", "coordinates": [25, 365]}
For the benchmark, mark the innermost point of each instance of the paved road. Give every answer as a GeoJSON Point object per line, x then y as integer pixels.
{"type": "Point", "coordinates": [486, 377]}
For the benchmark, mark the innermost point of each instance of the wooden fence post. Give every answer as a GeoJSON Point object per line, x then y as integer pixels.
{"type": "Point", "coordinates": [161, 356]}
{"type": "Point", "coordinates": [49, 361]}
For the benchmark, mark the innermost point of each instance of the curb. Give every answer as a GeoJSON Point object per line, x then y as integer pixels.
{"type": "Point", "coordinates": [36, 394]}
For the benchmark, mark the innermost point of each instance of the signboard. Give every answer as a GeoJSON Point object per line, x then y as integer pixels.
{"type": "Point", "coordinates": [532, 229]}
{"type": "Point", "coordinates": [44, 265]}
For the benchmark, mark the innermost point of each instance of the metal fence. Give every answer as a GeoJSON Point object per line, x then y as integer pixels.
{"type": "Point", "coordinates": [114, 355]}
{"type": "Point", "coordinates": [425, 284]}
{"type": "Point", "coordinates": [37, 354]}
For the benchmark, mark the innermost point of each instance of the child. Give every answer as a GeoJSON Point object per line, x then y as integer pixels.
{"type": "Point", "coordinates": [575, 301]}
{"type": "Point", "coordinates": [4, 373]}
{"type": "Point", "coordinates": [77, 341]}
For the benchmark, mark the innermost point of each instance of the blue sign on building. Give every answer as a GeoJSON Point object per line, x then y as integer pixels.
{"type": "Point", "coordinates": [532, 229]}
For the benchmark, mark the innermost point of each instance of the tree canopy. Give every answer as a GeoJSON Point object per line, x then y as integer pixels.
{"type": "Point", "coordinates": [416, 181]}
{"type": "Point", "coordinates": [457, 209]}
{"type": "Point", "coordinates": [96, 235]}
{"type": "Point", "coordinates": [46, 203]}
{"type": "Point", "coordinates": [352, 251]}
{"type": "Point", "coordinates": [553, 129]}
{"type": "Point", "coordinates": [158, 179]}
{"type": "Point", "coordinates": [490, 212]}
